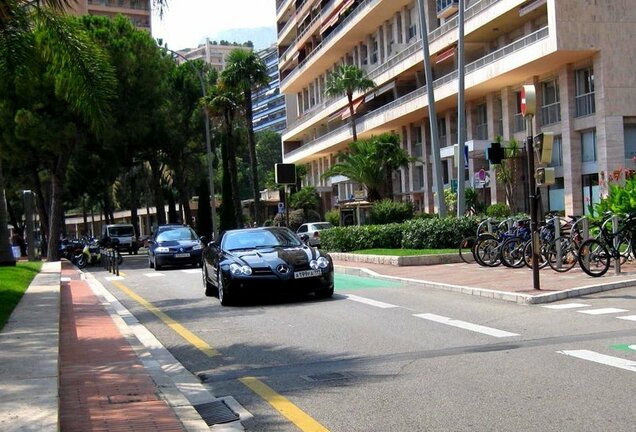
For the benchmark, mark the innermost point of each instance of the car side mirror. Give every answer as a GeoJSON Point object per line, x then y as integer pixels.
{"type": "Point", "coordinates": [203, 240]}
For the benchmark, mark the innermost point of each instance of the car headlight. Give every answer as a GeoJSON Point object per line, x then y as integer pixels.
{"type": "Point", "coordinates": [323, 262]}
{"type": "Point", "coordinates": [238, 270]}
{"type": "Point", "coordinates": [162, 249]}
{"type": "Point", "coordinates": [197, 246]}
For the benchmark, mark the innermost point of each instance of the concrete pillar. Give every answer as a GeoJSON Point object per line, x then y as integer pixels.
{"type": "Point", "coordinates": [404, 14]}
{"type": "Point", "coordinates": [571, 143]}
{"type": "Point", "coordinates": [428, 203]}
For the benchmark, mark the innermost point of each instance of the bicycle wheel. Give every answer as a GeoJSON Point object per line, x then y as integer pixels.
{"type": "Point", "coordinates": [566, 250]}
{"type": "Point", "coordinates": [466, 249]}
{"type": "Point", "coordinates": [527, 254]}
{"type": "Point", "coordinates": [487, 252]}
{"type": "Point", "coordinates": [594, 258]}
{"type": "Point", "coordinates": [512, 252]}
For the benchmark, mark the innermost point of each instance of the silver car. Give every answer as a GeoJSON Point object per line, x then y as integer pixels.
{"type": "Point", "coordinates": [312, 230]}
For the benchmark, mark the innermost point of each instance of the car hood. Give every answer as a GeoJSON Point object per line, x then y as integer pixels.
{"type": "Point", "coordinates": [183, 243]}
{"type": "Point", "coordinates": [270, 257]}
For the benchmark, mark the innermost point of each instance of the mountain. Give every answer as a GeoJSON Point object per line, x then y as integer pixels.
{"type": "Point", "coordinates": [261, 37]}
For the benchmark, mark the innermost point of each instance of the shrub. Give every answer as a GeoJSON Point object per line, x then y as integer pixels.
{"type": "Point", "coordinates": [333, 216]}
{"type": "Point", "coordinates": [389, 211]}
{"type": "Point", "coordinates": [345, 239]}
{"type": "Point", "coordinates": [296, 218]}
{"type": "Point", "coordinates": [438, 232]}
{"type": "Point", "coordinates": [498, 210]}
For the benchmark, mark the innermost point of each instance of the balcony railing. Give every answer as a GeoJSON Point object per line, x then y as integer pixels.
{"type": "Point", "coordinates": [551, 113]}
{"type": "Point", "coordinates": [471, 67]}
{"type": "Point", "coordinates": [585, 104]}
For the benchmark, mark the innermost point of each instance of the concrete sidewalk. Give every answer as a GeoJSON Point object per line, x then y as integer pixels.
{"type": "Point", "coordinates": [500, 283]}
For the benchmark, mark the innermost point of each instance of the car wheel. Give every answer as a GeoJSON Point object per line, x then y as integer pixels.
{"type": "Point", "coordinates": [157, 266]}
{"type": "Point", "coordinates": [224, 296]}
{"type": "Point", "coordinates": [326, 293]}
{"type": "Point", "coordinates": [210, 290]}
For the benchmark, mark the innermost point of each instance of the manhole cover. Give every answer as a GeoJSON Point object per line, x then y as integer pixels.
{"type": "Point", "coordinates": [216, 412]}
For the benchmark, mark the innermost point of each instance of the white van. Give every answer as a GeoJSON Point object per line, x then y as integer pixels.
{"type": "Point", "coordinates": [125, 233]}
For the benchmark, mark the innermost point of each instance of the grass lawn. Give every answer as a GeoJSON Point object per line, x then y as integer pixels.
{"type": "Point", "coordinates": [13, 283]}
{"type": "Point", "coordinates": [405, 252]}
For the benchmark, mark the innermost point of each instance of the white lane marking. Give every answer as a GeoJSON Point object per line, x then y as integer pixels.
{"type": "Point", "coordinates": [628, 317]}
{"type": "Point", "coordinates": [192, 271]}
{"type": "Point", "coordinates": [632, 347]}
{"type": "Point", "coordinates": [112, 278]}
{"type": "Point", "coordinates": [466, 325]}
{"type": "Point", "coordinates": [602, 311]}
{"type": "Point", "coordinates": [370, 302]}
{"type": "Point", "coordinates": [155, 274]}
{"type": "Point", "coordinates": [566, 306]}
{"type": "Point", "coordinates": [602, 358]}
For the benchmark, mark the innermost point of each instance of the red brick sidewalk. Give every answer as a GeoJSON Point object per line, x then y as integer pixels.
{"type": "Point", "coordinates": [103, 386]}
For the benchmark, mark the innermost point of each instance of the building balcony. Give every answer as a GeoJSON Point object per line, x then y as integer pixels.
{"type": "Point", "coordinates": [446, 8]}
{"type": "Point", "coordinates": [406, 107]}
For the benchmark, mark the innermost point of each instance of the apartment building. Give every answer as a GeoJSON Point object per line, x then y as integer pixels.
{"type": "Point", "coordinates": [139, 11]}
{"type": "Point", "coordinates": [211, 53]}
{"type": "Point", "coordinates": [268, 103]}
{"type": "Point", "coordinates": [577, 54]}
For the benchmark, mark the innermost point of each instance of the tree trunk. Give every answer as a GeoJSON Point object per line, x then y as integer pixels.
{"type": "Point", "coordinates": [6, 255]}
{"type": "Point", "coordinates": [251, 141]}
{"type": "Point", "coordinates": [226, 218]}
{"type": "Point", "coordinates": [231, 163]}
{"type": "Point", "coordinates": [40, 200]}
{"type": "Point", "coordinates": [352, 117]}
{"type": "Point", "coordinates": [57, 200]}
{"type": "Point", "coordinates": [155, 185]}
{"type": "Point", "coordinates": [184, 197]}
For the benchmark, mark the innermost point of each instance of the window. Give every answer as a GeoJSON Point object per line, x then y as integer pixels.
{"type": "Point", "coordinates": [441, 132]}
{"type": "Point", "coordinates": [445, 172]}
{"type": "Point", "coordinates": [519, 123]}
{"type": "Point", "coordinates": [630, 141]}
{"type": "Point", "coordinates": [588, 146]}
{"type": "Point", "coordinates": [557, 151]}
{"type": "Point", "coordinates": [590, 192]}
{"type": "Point", "coordinates": [413, 19]}
{"type": "Point", "coordinates": [551, 108]}
{"type": "Point", "coordinates": [374, 50]}
{"type": "Point", "coordinates": [419, 177]}
{"type": "Point", "coordinates": [584, 99]}
{"type": "Point", "coordinates": [556, 196]}
{"type": "Point", "coordinates": [482, 122]}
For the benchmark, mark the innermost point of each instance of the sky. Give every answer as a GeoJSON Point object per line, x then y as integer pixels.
{"type": "Point", "coordinates": [186, 23]}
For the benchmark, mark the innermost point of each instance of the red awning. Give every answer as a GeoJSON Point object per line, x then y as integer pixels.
{"type": "Point", "coordinates": [334, 16]}
{"type": "Point", "coordinates": [445, 55]}
{"type": "Point", "coordinates": [356, 103]}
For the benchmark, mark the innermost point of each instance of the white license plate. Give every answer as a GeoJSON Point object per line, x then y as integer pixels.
{"type": "Point", "coordinates": [182, 255]}
{"type": "Point", "coordinates": [306, 274]}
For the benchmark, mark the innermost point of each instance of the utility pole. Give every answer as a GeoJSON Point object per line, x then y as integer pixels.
{"type": "Point", "coordinates": [432, 114]}
{"type": "Point", "coordinates": [461, 115]}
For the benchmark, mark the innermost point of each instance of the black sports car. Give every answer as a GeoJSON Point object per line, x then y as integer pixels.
{"type": "Point", "coordinates": [259, 259]}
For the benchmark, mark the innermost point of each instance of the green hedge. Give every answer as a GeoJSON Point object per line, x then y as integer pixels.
{"type": "Point", "coordinates": [434, 233]}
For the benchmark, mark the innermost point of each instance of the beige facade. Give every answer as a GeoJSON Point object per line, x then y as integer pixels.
{"type": "Point", "coordinates": [211, 53]}
{"type": "Point", "coordinates": [577, 53]}
{"type": "Point", "coordinates": [139, 11]}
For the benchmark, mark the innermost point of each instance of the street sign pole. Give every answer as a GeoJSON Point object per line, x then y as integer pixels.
{"type": "Point", "coordinates": [528, 108]}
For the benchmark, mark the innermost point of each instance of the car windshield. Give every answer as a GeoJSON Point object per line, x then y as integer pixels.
{"type": "Point", "coordinates": [253, 239]}
{"type": "Point", "coordinates": [123, 231]}
{"type": "Point", "coordinates": [175, 234]}
{"type": "Point", "coordinates": [322, 225]}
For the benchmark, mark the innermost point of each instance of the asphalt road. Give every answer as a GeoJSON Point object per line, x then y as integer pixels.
{"type": "Point", "coordinates": [379, 356]}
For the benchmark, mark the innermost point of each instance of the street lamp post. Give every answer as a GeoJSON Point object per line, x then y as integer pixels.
{"type": "Point", "coordinates": [208, 146]}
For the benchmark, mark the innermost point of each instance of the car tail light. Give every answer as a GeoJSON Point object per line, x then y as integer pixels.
{"type": "Point", "coordinates": [316, 234]}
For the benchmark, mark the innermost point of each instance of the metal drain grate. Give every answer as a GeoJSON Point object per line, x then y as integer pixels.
{"type": "Point", "coordinates": [332, 376]}
{"type": "Point", "coordinates": [216, 412]}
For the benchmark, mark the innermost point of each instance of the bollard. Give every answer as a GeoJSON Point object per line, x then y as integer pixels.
{"type": "Point", "coordinates": [617, 258]}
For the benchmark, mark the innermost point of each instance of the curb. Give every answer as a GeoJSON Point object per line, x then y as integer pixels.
{"type": "Point", "coordinates": [492, 294]}
{"type": "Point", "coordinates": [398, 261]}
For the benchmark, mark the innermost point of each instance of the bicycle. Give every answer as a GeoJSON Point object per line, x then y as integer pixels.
{"type": "Point", "coordinates": [467, 244]}
{"type": "Point", "coordinates": [562, 252]}
{"type": "Point", "coordinates": [594, 254]}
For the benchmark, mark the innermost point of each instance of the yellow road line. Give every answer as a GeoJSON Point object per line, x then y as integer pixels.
{"type": "Point", "coordinates": [121, 273]}
{"type": "Point", "coordinates": [294, 414]}
{"type": "Point", "coordinates": [174, 325]}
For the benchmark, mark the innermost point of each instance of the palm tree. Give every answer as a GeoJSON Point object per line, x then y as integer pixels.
{"type": "Point", "coordinates": [223, 103]}
{"type": "Point", "coordinates": [371, 162]}
{"type": "Point", "coordinates": [246, 71]}
{"type": "Point", "coordinates": [33, 33]}
{"type": "Point", "coordinates": [346, 80]}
